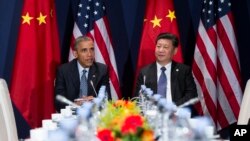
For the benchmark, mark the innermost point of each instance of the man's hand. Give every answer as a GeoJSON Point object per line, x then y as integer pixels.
{"type": "Point", "coordinates": [83, 99]}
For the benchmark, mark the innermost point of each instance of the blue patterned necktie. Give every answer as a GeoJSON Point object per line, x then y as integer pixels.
{"type": "Point", "coordinates": [162, 83]}
{"type": "Point", "coordinates": [83, 84]}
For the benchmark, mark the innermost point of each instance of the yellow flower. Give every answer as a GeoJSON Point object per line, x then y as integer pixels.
{"type": "Point", "coordinates": [123, 119]}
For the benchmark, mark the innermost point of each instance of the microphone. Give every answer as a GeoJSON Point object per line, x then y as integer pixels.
{"type": "Point", "coordinates": [144, 79]}
{"type": "Point", "coordinates": [189, 102]}
{"type": "Point", "coordinates": [65, 100]}
{"type": "Point", "coordinates": [91, 82]}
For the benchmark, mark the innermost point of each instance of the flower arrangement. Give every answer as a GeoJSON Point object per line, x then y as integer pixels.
{"type": "Point", "coordinates": [121, 121]}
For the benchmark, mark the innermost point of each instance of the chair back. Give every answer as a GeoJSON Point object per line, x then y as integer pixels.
{"type": "Point", "coordinates": [244, 107]}
{"type": "Point", "coordinates": [8, 131]}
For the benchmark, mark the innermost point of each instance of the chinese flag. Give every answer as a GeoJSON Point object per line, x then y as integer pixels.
{"type": "Point", "coordinates": [159, 17]}
{"type": "Point", "coordinates": [36, 58]}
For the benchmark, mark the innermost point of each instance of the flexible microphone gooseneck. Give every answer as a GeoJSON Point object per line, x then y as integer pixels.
{"type": "Point", "coordinates": [65, 100]}
{"type": "Point", "coordinates": [91, 82]}
{"type": "Point", "coordinates": [189, 102]}
{"type": "Point", "coordinates": [144, 80]}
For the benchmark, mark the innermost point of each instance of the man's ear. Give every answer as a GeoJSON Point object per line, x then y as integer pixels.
{"type": "Point", "coordinates": [75, 54]}
{"type": "Point", "coordinates": [175, 50]}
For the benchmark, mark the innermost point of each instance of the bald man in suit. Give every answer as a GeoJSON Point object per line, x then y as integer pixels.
{"type": "Point", "coordinates": [68, 76]}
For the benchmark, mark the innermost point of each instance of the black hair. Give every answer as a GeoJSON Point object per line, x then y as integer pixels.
{"type": "Point", "coordinates": [170, 36]}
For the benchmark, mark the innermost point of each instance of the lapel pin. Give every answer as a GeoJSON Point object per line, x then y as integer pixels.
{"type": "Point", "coordinates": [177, 70]}
{"type": "Point", "coordinates": [93, 75]}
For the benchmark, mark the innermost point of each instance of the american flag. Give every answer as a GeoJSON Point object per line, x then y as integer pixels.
{"type": "Point", "coordinates": [216, 64]}
{"type": "Point", "coordinates": [91, 20]}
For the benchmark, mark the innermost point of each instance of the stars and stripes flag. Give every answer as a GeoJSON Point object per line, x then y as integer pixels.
{"type": "Point", "coordinates": [216, 63]}
{"type": "Point", "coordinates": [91, 20]}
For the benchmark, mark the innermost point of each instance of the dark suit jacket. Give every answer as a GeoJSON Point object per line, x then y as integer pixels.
{"type": "Point", "coordinates": [67, 81]}
{"type": "Point", "coordinates": [183, 87]}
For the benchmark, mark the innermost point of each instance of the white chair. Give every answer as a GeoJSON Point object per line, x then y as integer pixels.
{"type": "Point", "coordinates": [3, 132]}
{"type": "Point", "coordinates": [245, 106]}
{"type": "Point", "coordinates": [8, 131]}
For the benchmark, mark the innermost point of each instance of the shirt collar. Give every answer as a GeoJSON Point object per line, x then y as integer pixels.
{"type": "Point", "coordinates": [168, 66]}
{"type": "Point", "coordinates": [80, 68]}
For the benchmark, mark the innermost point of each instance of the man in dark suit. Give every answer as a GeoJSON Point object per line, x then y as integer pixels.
{"type": "Point", "coordinates": [69, 76]}
{"type": "Point", "coordinates": [179, 86]}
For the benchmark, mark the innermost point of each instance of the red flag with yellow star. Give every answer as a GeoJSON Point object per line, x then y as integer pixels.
{"type": "Point", "coordinates": [36, 58]}
{"type": "Point", "coordinates": [159, 17]}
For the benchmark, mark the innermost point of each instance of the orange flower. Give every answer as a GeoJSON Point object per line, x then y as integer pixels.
{"type": "Point", "coordinates": [130, 105]}
{"type": "Point", "coordinates": [131, 124]}
{"type": "Point", "coordinates": [119, 103]}
{"type": "Point", "coordinates": [148, 135]}
{"type": "Point", "coordinates": [116, 122]}
{"type": "Point", "coordinates": [105, 135]}
{"type": "Point", "coordinates": [118, 139]}
{"type": "Point", "coordinates": [121, 121]}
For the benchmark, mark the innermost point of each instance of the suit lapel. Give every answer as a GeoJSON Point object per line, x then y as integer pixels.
{"type": "Point", "coordinates": [152, 77]}
{"type": "Point", "coordinates": [75, 74]}
{"type": "Point", "coordinates": [174, 73]}
{"type": "Point", "coordinates": [92, 76]}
